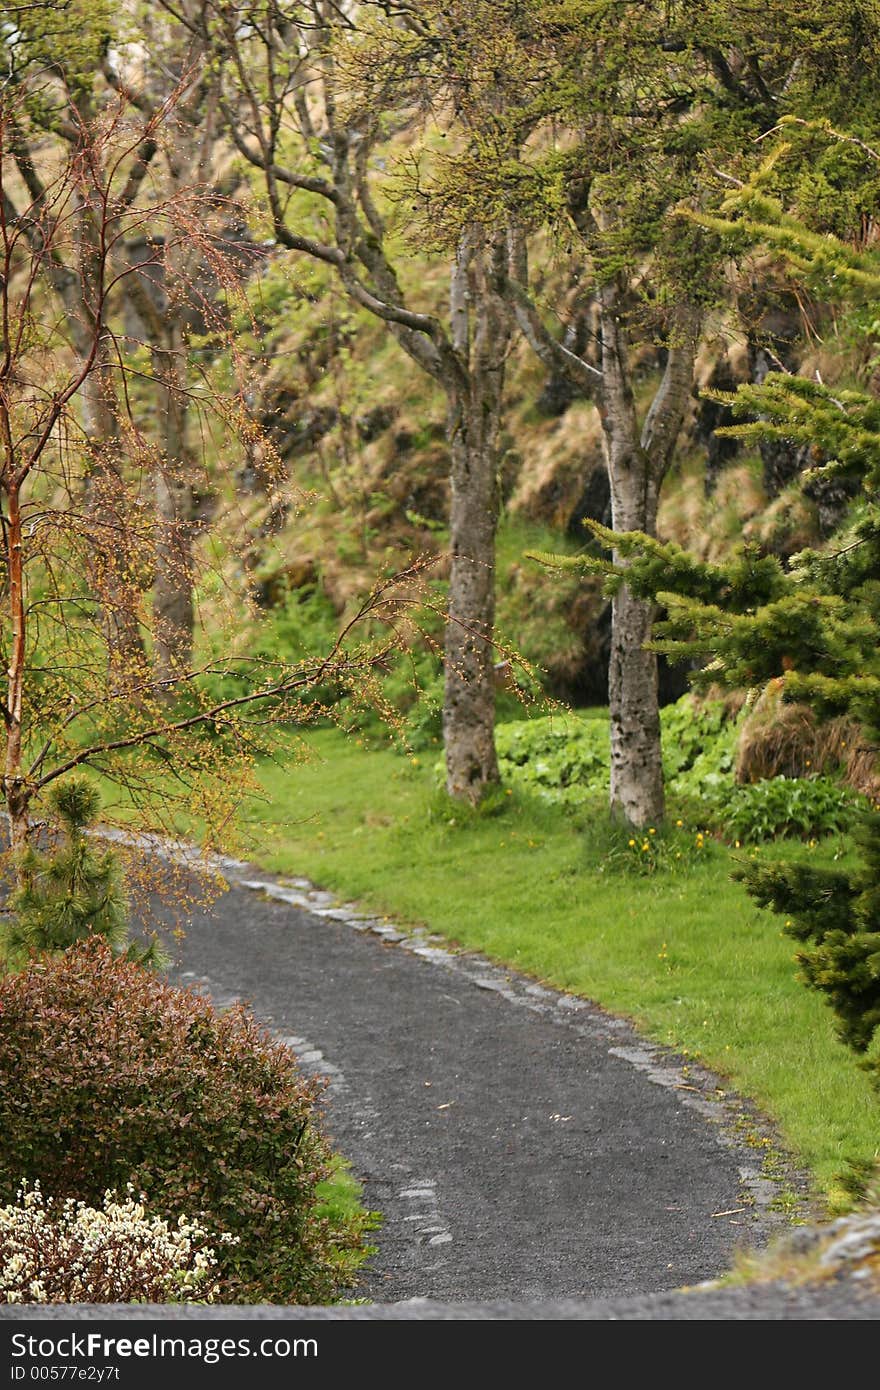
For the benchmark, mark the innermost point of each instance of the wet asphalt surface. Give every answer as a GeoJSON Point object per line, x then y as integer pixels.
{"type": "Point", "coordinates": [532, 1158]}
{"type": "Point", "coordinates": [520, 1144]}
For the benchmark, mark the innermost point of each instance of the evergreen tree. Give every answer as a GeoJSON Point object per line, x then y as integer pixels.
{"type": "Point", "coordinates": [71, 892]}
{"type": "Point", "coordinates": [814, 627]}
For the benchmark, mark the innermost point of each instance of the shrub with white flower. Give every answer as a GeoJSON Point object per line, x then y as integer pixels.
{"type": "Point", "coordinates": [70, 1252]}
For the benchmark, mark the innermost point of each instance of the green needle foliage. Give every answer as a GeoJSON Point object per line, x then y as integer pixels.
{"type": "Point", "coordinates": [813, 628]}
{"type": "Point", "coordinates": [835, 916]}
{"type": "Point", "coordinates": [72, 892]}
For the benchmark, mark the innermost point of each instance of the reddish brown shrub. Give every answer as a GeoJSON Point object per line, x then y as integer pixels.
{"type": "Point", "coordinates": [108, 1076]}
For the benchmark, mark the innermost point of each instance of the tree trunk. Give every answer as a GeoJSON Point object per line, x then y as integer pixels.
{"type": "Point", "coordinates": [175, 517]}
{"type": "Point", "coordinates": [173, 587]}
{"type": "Point", "coordinates": [637, 461]}
{"type": "Point", "coordinates": [113, 560]}
{"type": "Point", "coordinates": [637, 794]}
{"type": "Point", "coordinates": [481, 335]}
{"type": "Point", "coordinates": [17, 808]}
{"type": "Point", "coordinates": [469, 692]}
{"type": "Point", "coordinates": [15, 790]}
{"type": "Point", "coordinates": [172, 304]}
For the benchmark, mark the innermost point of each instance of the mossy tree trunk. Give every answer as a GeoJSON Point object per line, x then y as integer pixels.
{"type": "Point", "coordinates": [168, 305]}
{"type": "Point", "coordinates": [14, 783]}
{"type": "Point", "coordinates": [266, 79]}
{"type": "Point", "coordinates": [173, 608]}
{"type": "Point", "coordinates": [638, 458]}
{"type": "Point", "coordinates": [481, 337]}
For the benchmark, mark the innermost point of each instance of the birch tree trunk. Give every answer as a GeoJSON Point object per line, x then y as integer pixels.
{"type": "Point", "coordinates": [481, 337]}
{"type": "Point", "coordinates": [637, 460]}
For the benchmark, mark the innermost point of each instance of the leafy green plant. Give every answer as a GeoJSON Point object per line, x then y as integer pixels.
{"type": "Point", "coordinates": [699, 740]}
{"type": "Point", "coordinates": [800, 806]}
{"type": "Point", "coordinates": [566, 759]}
{"type": "Point", "coordinates": [560, 759]}
{"type": "Point", "coordinates": [111, 1076]}
{"type": "Point", "coordinates": [689, 727]}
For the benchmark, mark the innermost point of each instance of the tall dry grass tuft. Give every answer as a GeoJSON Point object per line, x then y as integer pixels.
{"type": "Point", "coordinates": [856, 754]}
{"type": "Point", "coordinates": [786, 740]}
{"type": "Point", "coordinates": [710, 525]}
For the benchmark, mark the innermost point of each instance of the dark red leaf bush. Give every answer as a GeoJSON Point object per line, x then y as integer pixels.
{"type": "Point", "coordinates": [109, 1076]}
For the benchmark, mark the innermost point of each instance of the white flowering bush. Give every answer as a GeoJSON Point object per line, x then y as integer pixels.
{"type": "Point", "coordinates": [70, 1252]}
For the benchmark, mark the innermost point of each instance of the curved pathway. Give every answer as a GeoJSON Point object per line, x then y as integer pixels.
{"type": "Point", "coordinates": [519, 1143]}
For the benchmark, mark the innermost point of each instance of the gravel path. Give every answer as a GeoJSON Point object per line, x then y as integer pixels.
{"type": "Point", "coordinates": [519, 1143]}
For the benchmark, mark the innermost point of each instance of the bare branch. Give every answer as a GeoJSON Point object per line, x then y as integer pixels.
{"type": "Point", "coordinates": [336, 664]}
{"type": "Point", "coordinates": [664, 418]}
{"type": "Point", "coordinates": [305, 182]}
{"type": "Point", "coordinates": [547, 348]}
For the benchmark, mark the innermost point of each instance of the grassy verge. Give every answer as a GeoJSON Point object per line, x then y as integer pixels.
{"type": "Point", "coordinates": [341, 1203]}
{"type": "Point", "coordinates": [682, 951]}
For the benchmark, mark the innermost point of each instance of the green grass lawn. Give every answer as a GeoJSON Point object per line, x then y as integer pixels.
{"type": "Point", "coordinates": [340, 1202]}
{"type": "Point", "coordinates": [683, 951]}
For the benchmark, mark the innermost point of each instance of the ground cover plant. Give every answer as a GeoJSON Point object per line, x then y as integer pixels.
{"type": "Point", "coordinates": [556, 892]}
{"type": "Point", "coordinates": [564, 759]}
